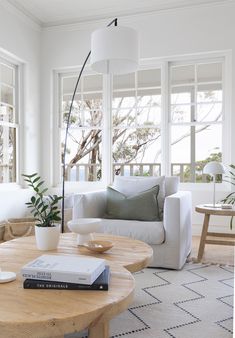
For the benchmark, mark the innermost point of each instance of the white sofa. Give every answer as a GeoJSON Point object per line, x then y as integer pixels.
{"type": "Point", "coordinates": [170, 238]}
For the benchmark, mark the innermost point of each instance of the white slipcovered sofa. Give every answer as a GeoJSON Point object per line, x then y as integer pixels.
{"type": "Point", "coordinates": [170, 238]}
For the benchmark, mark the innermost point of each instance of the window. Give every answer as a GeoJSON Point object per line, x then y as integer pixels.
{"type": "Point", "coordinates": [8, 122]}
{"type": "Point", "coordinates": [145, 123]}
{"type": "Point", "coordinates": [195, 118]}
{"type": "Point", "coordinates": [84, 144]}
{"type": "Point", "coordinates": [136, 122]}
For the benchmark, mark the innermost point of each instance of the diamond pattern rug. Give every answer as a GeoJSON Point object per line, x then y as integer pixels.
{"type": "Point", "coordinates": [194, 302]}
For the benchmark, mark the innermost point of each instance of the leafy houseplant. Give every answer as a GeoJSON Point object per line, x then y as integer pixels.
{"type": "Point", "coordinates": [230, 198]}
{"type": "Point", "coordinates": [44, 209]}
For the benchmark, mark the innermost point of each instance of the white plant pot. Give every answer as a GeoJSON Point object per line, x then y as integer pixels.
{"type": "Point", "coordinates": [47, 238]}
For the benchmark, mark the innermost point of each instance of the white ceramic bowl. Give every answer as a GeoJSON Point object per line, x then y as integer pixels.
{"type": "Point", "coordinates": [84, 227]}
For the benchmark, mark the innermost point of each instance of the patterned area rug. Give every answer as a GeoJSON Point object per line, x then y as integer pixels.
{"type": "Point", "coordinates": [194, 302]}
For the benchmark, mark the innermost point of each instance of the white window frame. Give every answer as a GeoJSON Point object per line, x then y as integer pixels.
{"type": "Point", "coordinates": [164, 64]}
{"type": "Point", "coordinates": [18, 104]}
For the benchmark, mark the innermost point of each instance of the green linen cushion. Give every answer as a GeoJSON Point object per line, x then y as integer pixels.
{"type": "Point", "coordinates": [142, 206]}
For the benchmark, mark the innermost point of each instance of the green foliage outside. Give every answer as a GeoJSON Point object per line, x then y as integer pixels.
{"type": "Point", "coordinates": [230, 198]}
{"type": "Point", "coordinates": [199, 165]}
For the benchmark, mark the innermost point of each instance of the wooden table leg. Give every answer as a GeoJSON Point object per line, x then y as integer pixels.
{"type": "Point", "coordinates": [203, 236]}
{"type": "Point", "coordinates": [99, 330]}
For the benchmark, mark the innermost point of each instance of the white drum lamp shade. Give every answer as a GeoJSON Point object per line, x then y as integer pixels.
{"type": "Point", "coordinates": [115, 50]}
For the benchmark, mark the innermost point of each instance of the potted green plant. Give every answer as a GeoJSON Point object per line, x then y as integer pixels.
{"type": "Point", "coordinates": [46, 212]}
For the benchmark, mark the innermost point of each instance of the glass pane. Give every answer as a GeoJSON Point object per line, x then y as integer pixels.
{"type": "Point", "coordinates": [149, 116]}
{"type": "Point", "coordinates": [181, 152]}
{"type": "Point", "coordinates": [181, 113]}
{"type": "Point", "coordinates": [92, 83]}
{"type": "Point", "coordinates": [209, 112]}
{"type": "Point", "coordinates": [149, 98]}
{"type": "Point", "coordinates": [68, 85]}
{"type": "Point", "coordinates": [7, 154]}
{"type": "Point", "coordinates": [92, 118]}
{"type": "Point", "coordinates": [180, 144]}
{"type": "Point", "coordinates": [124, 100]}
{"type": "Point", "coordinates": [76, 117]}
{"type": "Point", "coordinates": [209, 72]}
{"type": "Point", "coordinates": [6, 113]}
{"type": "Point", "coordinates": [7, 75]}
{"type": "Point", "coordinates": [209, 93]}
{"type": "Point", "coordinates": [124, 81]}
{"type": "Point", "coordinates": [182, 95]}
{"type": "Point", "coordinates": [182, 74]}
{"type": "Point", "coordinates": [149, 78]}
{"type": "Point", "coordinates": [84, 157]}
{"type": "Point", "coordinates": [68, 97]}
{"type": "Point", "coordinates": [208, 147]}
{"type": "Point", "coordinates": [123, 117]}
{"type": "Point", "coordinates": [7, 95]}
{"type": "Point", "coordinates": [92, 97]}
{"type": "Point", "coordinates": [138, 149]}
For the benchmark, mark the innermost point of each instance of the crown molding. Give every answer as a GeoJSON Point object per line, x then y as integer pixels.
{"type": "Point", "coordinates": [24, 16]}
{"type": "Point", "coordinates": [100, 19]}
{"type": "Point", "coordinates": [130, 16]}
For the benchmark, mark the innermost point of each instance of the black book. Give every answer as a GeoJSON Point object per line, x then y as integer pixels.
{"type": "Point", "coordinates": [101, 283]}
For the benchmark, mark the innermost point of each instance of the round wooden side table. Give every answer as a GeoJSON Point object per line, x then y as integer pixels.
{"type": "Point", "coordinates": [208, 211]}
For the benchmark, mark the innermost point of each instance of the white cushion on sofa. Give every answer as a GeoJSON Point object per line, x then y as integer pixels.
{"type": "Point", "coordinates": [149, 232]}
{"type": "Point", "coordinates": [132, 185]}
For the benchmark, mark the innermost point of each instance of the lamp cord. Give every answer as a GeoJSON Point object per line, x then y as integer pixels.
{"type": "Point", "coordinates": [114, 21]}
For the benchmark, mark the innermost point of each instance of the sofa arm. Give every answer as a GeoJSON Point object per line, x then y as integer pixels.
{"type": "Point", "coordinates": [178, 225]}
{"type": "Point", "coordinates": [90, 204]}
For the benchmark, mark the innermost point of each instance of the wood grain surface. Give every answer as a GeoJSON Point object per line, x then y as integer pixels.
{"type": "Point", "coordinates": [52, 313]}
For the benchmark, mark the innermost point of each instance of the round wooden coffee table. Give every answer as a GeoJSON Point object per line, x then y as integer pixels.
{"type": "Point", "coordinates": [44, 313]}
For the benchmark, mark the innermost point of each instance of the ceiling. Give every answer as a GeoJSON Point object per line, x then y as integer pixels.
{"type": "Point", "coordinates": [57, 12]}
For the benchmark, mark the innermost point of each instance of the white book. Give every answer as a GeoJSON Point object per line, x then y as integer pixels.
{"type": "Point", "coordinates": [64, 268]}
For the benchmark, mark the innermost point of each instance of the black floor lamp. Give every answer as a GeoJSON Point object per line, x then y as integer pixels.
{"type": "Point", "coordinates": [114, 50]}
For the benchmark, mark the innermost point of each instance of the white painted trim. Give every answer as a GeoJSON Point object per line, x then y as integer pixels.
{"type": "Point", "coordinates": [107, 131]}
{"type": "Point", "coordinates": [227, 108]}
{"type": "Point", "coordinates": [19, 92]}
{"type": "Point", "coordinates": [127, 17]}
{"type": "Point", "coordinates": [165, 135]}
{"type": "Point", "coordinates": [55, 173]}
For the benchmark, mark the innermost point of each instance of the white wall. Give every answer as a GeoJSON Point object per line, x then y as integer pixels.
{"type": "Point", "coordinates": [168, 33]}
{"type": "Point", "coordinates": [21, 40]}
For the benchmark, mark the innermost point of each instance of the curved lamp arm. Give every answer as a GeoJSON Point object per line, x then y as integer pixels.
{"type": "Point", "coordinates": [114, 21]}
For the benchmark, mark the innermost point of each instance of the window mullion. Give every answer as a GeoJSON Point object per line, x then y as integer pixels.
{"type": "Point", "coordinates": [165, 118]}
{"type": "Point", "coordinates": [107, 171]}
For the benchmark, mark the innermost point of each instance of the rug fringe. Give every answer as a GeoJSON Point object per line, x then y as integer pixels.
{"type": "Point", "coordinates": [194, 260]}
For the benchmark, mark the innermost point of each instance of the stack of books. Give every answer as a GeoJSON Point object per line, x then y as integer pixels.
{"type": "Point", "coordinates": [66, 272]}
